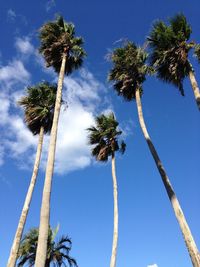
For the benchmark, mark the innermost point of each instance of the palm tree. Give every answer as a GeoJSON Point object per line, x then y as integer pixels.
{"type": "Point", "coordinates": [62, 51]}
{"type": "Point", "coordinates": [104, 137]}
{"type": "Point", "coordinates": [129, 73]}
{"type": "Point", "coordinates": [38, 107]}
{"type": "Point", "coordinates": [57, 252]}
{"type": "Point", "coordinates": [170, 47]}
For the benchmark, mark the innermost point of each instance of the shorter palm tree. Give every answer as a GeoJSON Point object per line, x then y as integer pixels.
{"type": "Point", "coordinates": [57, 252]}
{"type": "Point", "coordinates": [170, 46]}
{"type": "Point", "coordinates": [104, 138]}
{"type": "Point", "coordinates": [128, 74]}
{"type": "Point", "coordinates": [38, 107]}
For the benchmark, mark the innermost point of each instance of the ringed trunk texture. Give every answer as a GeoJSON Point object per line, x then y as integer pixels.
{"type": "Point", "coordinates": [18, 235]}
{"type": "Point", "coordinates": [195, 88]}
{"type": "Point", "coordinates": [187, 235]}
{"type": "Point", "coordinates": [41, 252]}
{"type": "Point", "coordinates": [115, 229]}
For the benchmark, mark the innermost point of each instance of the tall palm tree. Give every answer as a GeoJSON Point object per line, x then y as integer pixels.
{"type": "Point", "coordinates": [57, 252]}
{"type": "Point", "coordinates": [104, 137]}
{"type": "Point", "coordinates": [38, 107]}
{"type": "Point", "coordinates": [170, 46]}
{"type": "Point", "coordinates": [62, 51]}
{"type": "Point", "coordinates": [129, 73]}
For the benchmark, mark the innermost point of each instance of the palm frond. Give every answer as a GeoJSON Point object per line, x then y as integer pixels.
{"type": "Point", "coordinates": [38, 106]}
{"type": "Point", "coordinates": [169, 50]}
{"type": "Point", "coordinates": [57, 252]}
{"type": "Point", "coordinates": [58, 37]}
{"type": "Point", "coordinates": [104, 136]}
{"type": "Point", "coordinates": [129, 70]}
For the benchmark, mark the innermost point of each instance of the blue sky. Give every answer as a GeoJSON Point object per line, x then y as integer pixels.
{"type": "Point", "coordinates": [82, 200]}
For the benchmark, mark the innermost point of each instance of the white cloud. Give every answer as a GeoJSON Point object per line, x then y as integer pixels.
{"type": "Point", "coordinates": [24, 45]}
{"type": "Point", "coordinates": [153, 265]}
{"type": "Point", "coordinates": [14, 73]}
{"type": "Point", "coordinates": [4, 108]}
{"type": "Point", "coordinates": [82, 93]}
{"type": "Point", "coordinates": [83, 100]}
{"type": "Point", "coordinates": [23, 138]}
{"type": "Point", "coordinates": [72, 148]}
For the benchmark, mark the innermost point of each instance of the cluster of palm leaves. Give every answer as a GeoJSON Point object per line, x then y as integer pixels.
{"type": "Point", "coordinates": [128, 74]}
{"type": "Point", "coordinates": [57, 253]}
{"type": "Point", "coordinates": [167, 56]}
{"type": "Point", "coordinates": [104, 136]}
{"type": "Point", "coordinates": [169, 49]}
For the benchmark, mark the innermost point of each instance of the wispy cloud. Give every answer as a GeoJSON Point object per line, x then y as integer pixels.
{"type": "Point", "coordinates": [50, 4]}
{"type": "Point", "coordinates": [11, 15]}
{"type": "Point", "coordinates": [13, 73]}
{"type": "Point", "coordinates": [85, 97]}
{"type": "Point", "coordinates": [153, 265]}
{"type": "Point", "coordinates": [24, 45]}
{"type": "Point", "coordinates": [72, 150]}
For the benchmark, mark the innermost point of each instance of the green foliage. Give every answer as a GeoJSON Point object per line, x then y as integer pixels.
{"type": "Point", "coordinates": [57, 252]}
{"type": "Point", "coordinates": [39, 106]}
{"type": "Point", "coordinates": [57, 37]}
{"type": "Point", "coordinates": [104, 137]}
{"type": "Point", "coordinates": [129, 70]}
{"type": "Point", "coordinates": [169, 50]}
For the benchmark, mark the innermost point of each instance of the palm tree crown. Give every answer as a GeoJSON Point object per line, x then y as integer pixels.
{"type": "Point", "coordinates": [169, 50]}
{"type": "Point", "coordinates": [57, 37]}
{"type": "Point", "coordinates": [57, 253]}
{"type": "Point", "coordinates": [129, 70]}
{"type": "Point", "coordinates": [39, 106]}
{"type": "Point", "coordinates": [105, 137]}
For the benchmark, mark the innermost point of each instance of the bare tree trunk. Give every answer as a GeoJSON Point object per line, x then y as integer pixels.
{"type": "Point", "coordinates": [18, 235]}
{"type": "Point", "coordinates": [115, 229]}
{"type": "Point", "coordinates": [195, 88]}
{"type": "Point", "coordinates": [45, 207]}
{"type": "Point", "coordinates": [187, 235]}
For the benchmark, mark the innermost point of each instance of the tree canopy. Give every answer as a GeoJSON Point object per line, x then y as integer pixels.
{"type": "Point", "coordinates": [129, 70]}
{"type": "Point", "coordinates": [57, 252]}
{"type": "Point", "coordinates": [38, 106]}
{"type": "Point", "coordinates": [58, 37]}
{"type": "Point", "coordinates": [104, 136]}
{"type": "Point", "coordinates": [169, 48]}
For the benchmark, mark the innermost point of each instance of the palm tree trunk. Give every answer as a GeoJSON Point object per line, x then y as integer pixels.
{"type": "Point", "coordinates": [18, 235]}
{"type": "Point", "coordinates": [190, 243]}
{"type": "Point", "coordinates": [45, 207]}
{"type": "Point", "coordinates": [195, 88]}
{"type": "Point", "coordinates": [115, 229]}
